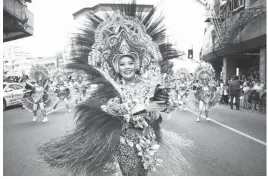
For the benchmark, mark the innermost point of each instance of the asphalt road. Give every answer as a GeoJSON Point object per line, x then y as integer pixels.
{"type": "Point", "coordinates": [217, 150]}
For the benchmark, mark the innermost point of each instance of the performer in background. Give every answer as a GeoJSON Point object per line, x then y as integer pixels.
{"type": "Point", "coordinates": [183, 85]}
{"type": "Point", "coordinates": [206, 95]}
{"type": "Point", "coordinates": [61, 89]}
{"type": "Point", "coordinates": [38, 96]}
{"type": "Point", "coordinates": [118, 128]}
{"type": "Point", "coordinates": [169, 86]}
{"type": "Point", "coordinates": [81, 85]}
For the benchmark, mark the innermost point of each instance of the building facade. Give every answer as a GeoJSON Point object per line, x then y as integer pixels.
{"type": "Point", "coordinates": [235, 37]}
{"type": "Point", "coordinates": [18, 61]}
{"type": "Point", "coordinates": [52, 62]}
{"type": "Point", "coordinates": [13, 57]}
{"type": "Point", "coordinates": [18, 21]}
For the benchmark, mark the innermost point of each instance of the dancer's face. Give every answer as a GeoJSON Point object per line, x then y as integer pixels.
{"type": "Point", "coordinates": [126, 68]}
{"type": "Point", "coordinates": [39, 82]}
{"type": "Point", "coordinates": [39, 79]}
{"type": "Point", "coordinates": [205, 81]}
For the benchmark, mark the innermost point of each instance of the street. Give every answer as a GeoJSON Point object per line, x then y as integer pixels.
{"type": "Point", "coordinates": [237, 147]}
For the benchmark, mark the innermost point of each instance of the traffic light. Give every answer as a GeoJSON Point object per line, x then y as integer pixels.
{"type": "Point", "coordinates": [190, 53]}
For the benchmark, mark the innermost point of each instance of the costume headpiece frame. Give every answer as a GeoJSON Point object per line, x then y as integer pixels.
{"type": "Point", "coordinates": [182, 74]}
{"type": "Point", "coordinates": [204, 71]}
{"type": "Point", "coordinates": [39, 72]}
{"type": "Point", "coordinates": [122, 36]}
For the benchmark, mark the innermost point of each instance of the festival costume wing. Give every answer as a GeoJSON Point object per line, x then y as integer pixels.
{"type": "Point", "coordinates": [91, 147]}
{"type": "Point", "coordinates": [27, 100]}
{"type": "Point", "coordinates": [214, 100]}
{"type": "Point", "coordinates": [193, 100]}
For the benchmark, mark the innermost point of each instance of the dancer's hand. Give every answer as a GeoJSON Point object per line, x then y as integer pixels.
{"type": "Point", "coordinates": [154, 106]}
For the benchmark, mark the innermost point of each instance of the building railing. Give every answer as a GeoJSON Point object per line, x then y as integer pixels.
{"type": "Point", "coordinates": [30, 16]}
{"type": "Point", "coordinates": [18, 9]}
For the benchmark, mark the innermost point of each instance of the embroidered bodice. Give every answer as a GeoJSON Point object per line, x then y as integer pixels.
{"type": "Point", "coordinates": [38, 93]}
{"type": "Point", "coordinates": [137, 132]}
{"type": "Point", "coordinates": [182, 87]}
{"type": "Point", "coordinates": [206, 91]}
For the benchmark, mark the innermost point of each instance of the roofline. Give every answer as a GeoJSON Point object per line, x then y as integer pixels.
{"type": "Point", "coordinates": [94, 8]}
{"type": "Point", "coordinates": [201, 2]}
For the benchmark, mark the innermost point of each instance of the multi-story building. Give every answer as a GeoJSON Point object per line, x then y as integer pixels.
{"type": "Point", "coordinates": [18, 61]}
{"type": "Point", "coordinates": [235, 37]}
{"type": "Point", "coordinates": [26, 64]}
{"type": "Point", "coordinates": [13, 56]}
{"type": "Point", "coordinates": [17, 20]}
{"type": "Point", "coordinates": [51, 62]}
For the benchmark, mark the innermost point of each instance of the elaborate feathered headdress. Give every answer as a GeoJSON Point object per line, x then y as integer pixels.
{"type": "Point", "coordinates": [129, 31]}
{"type": "Point", "coordinates": [80, 75]}
{"type": "Point", "coordinates": [182, 74]}
{"type": "Point", "coordinates": [59, 75]}
{"type": "Point", "coordinates": [204, 71]}
{"type": "Point", "coordinates": [39, 72]}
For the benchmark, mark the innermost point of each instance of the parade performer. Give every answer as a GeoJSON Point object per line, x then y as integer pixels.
{"type": "Point", "coordinates": [206, 97]}
{"type": "Point", "coordinates": [169, 85]}
{"type": "Point", "coordinates": [61, 89]}
{"type": "Point", "coordinates": [118, 128]}
{"type": "Point", "coordinates": [81, 85]}
{"type": "Point", "coordinates": [183, 83]}
{"type": "Point", "coordinates": [38, 97]}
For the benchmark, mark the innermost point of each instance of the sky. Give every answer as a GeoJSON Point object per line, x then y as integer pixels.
{"type": "Point", "coordinates": [53, 21]}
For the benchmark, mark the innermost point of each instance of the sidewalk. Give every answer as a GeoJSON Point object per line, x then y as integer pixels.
{"type": "Point", "coordinates": [242, 109]}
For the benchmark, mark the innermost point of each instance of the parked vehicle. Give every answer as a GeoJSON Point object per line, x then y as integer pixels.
{"type": "Point", "coordinates": [13, 94]}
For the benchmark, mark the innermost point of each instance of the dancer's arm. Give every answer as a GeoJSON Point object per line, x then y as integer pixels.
{"type": "Point", "coordinates": [116, 108]}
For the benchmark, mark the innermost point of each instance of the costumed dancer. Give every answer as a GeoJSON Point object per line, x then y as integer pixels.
{"type": "Point", "coordinates": [118, 128]}
{"type": "Point", "coordinates": [169, 85]}
{"type": "Point", "coordinates": [206, 96]}
{"type": "Point", "coordinates": [38, 96]}
{"type": "Point", "coordinates": [81, 86]}
{"type": "Point", "coordinates": [61, 89]}
{"type": "Point", "coordinates": [183, 82]}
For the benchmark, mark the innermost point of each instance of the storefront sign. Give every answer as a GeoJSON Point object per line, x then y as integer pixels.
{"type": "Point", "coordinates": [249, 54]}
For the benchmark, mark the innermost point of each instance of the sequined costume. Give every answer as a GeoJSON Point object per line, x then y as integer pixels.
{"type": "Point", "coordinates": [62, 91]}
{"type": "Point", "coordinates": [61, 88]}
{"type": "Point", "coordinates": [114, 134]}
{"type": "Point", "coordinates": [183, 82]}
{"type": "Point", "coordinates": [205, 96]}
{"type": "Point", "coordinates": [38, 97]}
{"type": "Point", "coordinates": [81, 85]}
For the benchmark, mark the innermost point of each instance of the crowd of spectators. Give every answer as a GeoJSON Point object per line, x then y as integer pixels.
{"type": "Point", "coordinates": [251, 94]}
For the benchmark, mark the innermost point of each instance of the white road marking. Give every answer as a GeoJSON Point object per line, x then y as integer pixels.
{"type": "Point", "coordinates": [56, 110]}
{"type": "Point", "coordinates": [232, 129]}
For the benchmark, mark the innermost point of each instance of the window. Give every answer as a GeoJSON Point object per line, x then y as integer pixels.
{"type": "Point", "coordinates": [213, 36]}
{"type": "Point", "coordinates": [11, 87]}
{"type": "Point", "coordinates": [18, 86]}
{"type": "Point", "coordinates": [237, 4]}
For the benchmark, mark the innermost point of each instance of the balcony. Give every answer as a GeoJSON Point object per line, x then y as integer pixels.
{"type": "Point", "coordinates": [237, 29]}
{"type": "Point", "coordinates": [18, 20]}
